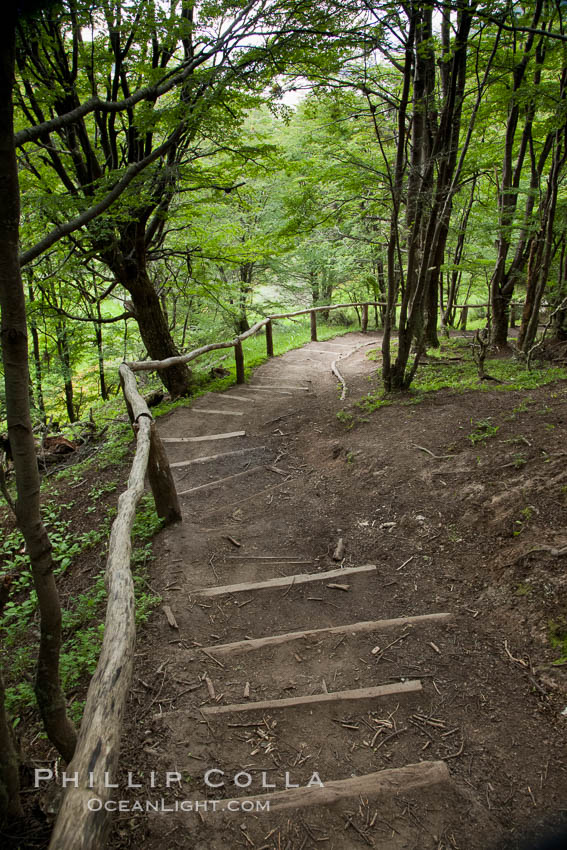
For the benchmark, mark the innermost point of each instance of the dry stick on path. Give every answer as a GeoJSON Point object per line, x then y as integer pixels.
{"type": "Point", "coordinates": [216, 412]}
{"type": "Point", "coordinates": [247, 499]}
{"type": "Point", "coordinates": [278, 387]}
{"type": "Point", "coordinates": [283, 581]}
{"type": "Point", "coordinates": [220, 456]}
{"type": "Point", "coordinates": [334, 367]}
{"type": "Point", "coordinates": [225, 395]}
{"type": "Point", "coordinates": [204, 438]}
{"type": "Point", "coordinates": [429, 452]}
{"type": "Point", "coordinates": [294, 559]}
{"type": "Point", "coordinates": [221, 481]}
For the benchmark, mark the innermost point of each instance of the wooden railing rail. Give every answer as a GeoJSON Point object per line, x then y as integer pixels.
{"type": "Point", "coordinates": [83, 821]}
{"type": "Point", "coordinates": [236, 343]}
{"type": "Point", "coordinates": [158, 365]}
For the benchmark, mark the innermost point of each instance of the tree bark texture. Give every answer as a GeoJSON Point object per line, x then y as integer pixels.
{"type": "Point", "coordinates": [128, 262]}
{"type": "Point", "coordinates": [431, 212]}
{"type": "Point", "coordinates": [541, 252]}
{"type": "Point", "coordinates": [13, 333]}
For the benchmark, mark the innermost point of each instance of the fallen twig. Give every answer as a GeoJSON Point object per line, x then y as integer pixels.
{"type": "Point", "coordinates": [429, 452]}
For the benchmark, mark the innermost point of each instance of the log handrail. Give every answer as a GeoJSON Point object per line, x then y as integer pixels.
{"type": "Point", "coordinates": [158, 365]}
{"type": "Point", "coordinates": [83, 821]}
{"type": "Point", "coordinates": [80, 823]}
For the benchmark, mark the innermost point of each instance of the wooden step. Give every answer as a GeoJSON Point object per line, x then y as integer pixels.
{"type": "Point", "coordinates": [221, 456]}
{"type": "Point", "coordinates": [278, 559]}
{"type": "Point", "coordinates": [226, 436]}
{"type": "Point", "coordinates": [255, 388]}
{"type": "Point", "coordinates": [241, 646]}
{"type": "Point", "coordinates": [217, 412]}
{"type": "Point", "coordinates": [284, 581]}
{"type": "Point", "coordinates": [377, 692]}
{"type": "Point", "coordinates": [399, 780]}
{"type": "Point", "coordinates": [230, 397]}
{"type": "Point", "coordinates": [217, 483]}
{"type": "Point", "coordinates": [278, 387]}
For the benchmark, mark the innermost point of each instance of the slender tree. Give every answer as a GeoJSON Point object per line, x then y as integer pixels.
{"type": "Point", "coordinates": [14, 342]}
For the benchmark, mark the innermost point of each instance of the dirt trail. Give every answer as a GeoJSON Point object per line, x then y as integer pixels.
{"type": "Point", "coordinates": [358, 681]}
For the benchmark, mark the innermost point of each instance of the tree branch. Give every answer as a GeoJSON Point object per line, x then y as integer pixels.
{"type": "Point", "coordinates": [91, 213]}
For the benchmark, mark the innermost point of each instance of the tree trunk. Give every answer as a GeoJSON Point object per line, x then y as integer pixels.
{"type": "Point", "coordinates": [541, 253]}
{"type": "Point", "coordinates": [503, 281]}
{"type": "Point", "coordinates": [127, 260]}
{"type": "Point", "coordinates": [393, 252]}
{"type": "Point", "coordinates": [100, 352]}
{"type": "Point", "coordinates": [62, 342]}
{"type": "Point", "coordinates": [10, 805]}
{"type": "Point", "coordinates": [429, 214]}
{"type": "Point", "coordinates": [48, 691]}
{"type": "Point", "coordinates": [314, 283]}
{"type": "Point", "coordinates": [244, 287]}
{"type": "Point", "coordinates": [380, 293]}
{"type": "Point", "coordinates": [432, 303]}
{"type": "Point", "coordinates": [155, 331]}
{"type": "Point", "coordinates": [456, 274]}
{"type": "Point", "coordinates": [500, 305]}
{"type": "Point", "coordinates": [560, 317]}
{"type": "Point", "coordinates": [36, 358]}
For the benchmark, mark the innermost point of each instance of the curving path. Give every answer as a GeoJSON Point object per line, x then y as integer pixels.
{"type": "Point", "coordinates": [276, 633]}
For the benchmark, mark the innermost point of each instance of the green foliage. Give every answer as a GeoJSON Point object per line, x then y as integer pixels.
{"type": "Point", "coordinates": [557, 630]}
{"type": "Point", "coordinates": [483, 430]}
{"type": "Point", "coordinates": [345, 418]}
{"type": "Point", "coordinates": [83, 612]}
{"type": "Point", "coordinates": [459, 375]}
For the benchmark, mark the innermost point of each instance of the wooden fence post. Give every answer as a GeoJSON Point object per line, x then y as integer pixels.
{"type": "Point", "coordinates": [161, 480]}
{"type": "Point", "coordinates": [239, 358]}
{"type": "Point", "coordinates": [313, 326]}
{"type": "Point", "coordinates": [364, 319]}
{"type": "Point", "coordinates": [269, 339]}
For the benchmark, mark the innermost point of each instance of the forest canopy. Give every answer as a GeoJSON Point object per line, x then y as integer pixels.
{"type": "Point", "coordinates": [186, 168]}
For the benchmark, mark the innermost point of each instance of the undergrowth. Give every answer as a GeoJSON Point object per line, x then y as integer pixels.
{"type": "Point", "coordinates": [82, 613]}
{"type": "Point", "coordinates": [558, 640]}
{"type": "Point", "coordinates": [451, 367]}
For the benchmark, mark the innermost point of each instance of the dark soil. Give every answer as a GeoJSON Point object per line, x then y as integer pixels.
{"type": "Point", "coordinates": [453, 500]}
{"type": "Point", "coordinates": [452, 525]}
